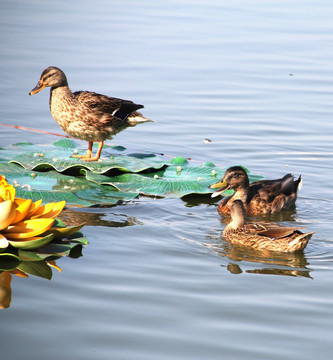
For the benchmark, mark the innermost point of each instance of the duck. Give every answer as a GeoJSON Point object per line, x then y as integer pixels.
{"type": "Point", "coordinates": [263, 235]}
{"type": "Point", "coordinates": [260, 197]}
{"type": "Point", "coordinates": [86, 115]}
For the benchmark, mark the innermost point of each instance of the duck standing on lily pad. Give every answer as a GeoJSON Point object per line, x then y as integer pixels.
{"type": "Point", "coordinates": [87, 115]}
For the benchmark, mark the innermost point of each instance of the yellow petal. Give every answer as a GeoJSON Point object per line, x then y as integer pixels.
{"type": "Point", "coordinates": [51, 210]}
{"type": "Point", "coordinates": [7, 192]}
{"type": "Point", "coordinates": [34, 207]}
{"type": "Point", "coordinates": [7, 213]}
{"type": "Point", "coordinates": [22, 210]}
{"type": "Point", "coordinates": [12, 191]}
{"type": "Point", "coordinates": [19, 201]}
{"type": "Point", "coordinates": [28, 228]}
{"type": "Point", "coordinates": [3, 180]}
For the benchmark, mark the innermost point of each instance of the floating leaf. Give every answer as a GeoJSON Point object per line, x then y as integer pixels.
{"type": "Point", "coordinates": [52, 187]}
{"type": "Point", "coordinates": [36, 268]}
{"type": "Point", "coordinates": [170, 182]}
{"type": "Point", "coordinates": [58, 157]}
{"type": "Point", "coordinates": [28, 255]}
{"type": "Point", "coordinates": [179, 160]}
{"type": "Point", "coordinates": [61, 249]}
{"type": "Point", "coordinates": [60, 232]}
{"type": "Point", "coordinates": [32, 243]}
{"type": "Point", "coordinates": [65, 144]}
{"type": "Point", "coordinates": [9, 261]}
{"type": "Point", "coordinates": [118, 178]}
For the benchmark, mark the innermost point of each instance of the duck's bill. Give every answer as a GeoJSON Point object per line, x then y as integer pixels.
{"type": "Point", "coordinates": [221, 186]}
{"type": "Point", "coordinates": [37, 88]}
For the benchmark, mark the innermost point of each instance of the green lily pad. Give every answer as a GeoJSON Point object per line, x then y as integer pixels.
{"type": "Point", "coordinates": [179, 160]}
{"type": "Point", "coordinates": [118, 178]}
{"type": "Point", "coordinates": [171, 182]}
{"type": "Point", "coordinates": [52, 186]}
{"type": "Point", "coordinates": [57, 156]}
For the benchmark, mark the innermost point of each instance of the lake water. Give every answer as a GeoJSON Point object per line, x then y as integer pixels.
{"type": "Point", "coordinates": [157, 280]}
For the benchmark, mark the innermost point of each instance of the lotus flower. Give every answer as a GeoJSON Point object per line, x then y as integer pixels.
{"type": "Point", "coordinates": [25, 224]}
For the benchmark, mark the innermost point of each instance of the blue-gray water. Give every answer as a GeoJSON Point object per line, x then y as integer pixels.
{"type": "Point", "coordinates": [157, 281]}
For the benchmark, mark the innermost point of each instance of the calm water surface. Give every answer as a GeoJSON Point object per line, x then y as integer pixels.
{"type": "Point", "coordinates": [157, 281]}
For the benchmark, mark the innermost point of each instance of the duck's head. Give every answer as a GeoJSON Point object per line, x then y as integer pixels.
{"type": "Point", "coordinates": [234, 178]}
{"type": "Point", "coordinates": [51, 76]}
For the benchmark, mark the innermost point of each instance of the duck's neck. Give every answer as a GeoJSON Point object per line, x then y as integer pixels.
{"type": "Point", "coordinates": [60, 92]}
{"type": "Point", "coordinates": [62, 100]}
{"type": "Point", "coordinates": [235, 224]}
{"type": "Point", "coordinates": [58, 96]}
{"type": "Point", "coordinates": [240, 194]}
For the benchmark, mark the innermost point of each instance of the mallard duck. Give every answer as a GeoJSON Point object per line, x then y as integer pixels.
{"type": "Point", "coordinates": [263, 235]}
{"type": "Point", "coordinates": [87, 115]}
{"type": "Point", "coordinates": [260, 197]}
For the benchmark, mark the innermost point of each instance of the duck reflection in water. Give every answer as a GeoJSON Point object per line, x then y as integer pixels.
{"type": "Point", "coordinates": [242, 260]}
{"type": "Point", "coordinates": [96, 217]}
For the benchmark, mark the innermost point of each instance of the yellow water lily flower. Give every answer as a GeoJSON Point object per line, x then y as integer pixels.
{"type": "Point", "coordinates": [22, 220]}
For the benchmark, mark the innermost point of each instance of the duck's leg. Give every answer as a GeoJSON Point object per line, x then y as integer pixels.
{"type": "Point", "coordinates": [88, 155]}
{"type": "Point", "coordinates": [98, 153]}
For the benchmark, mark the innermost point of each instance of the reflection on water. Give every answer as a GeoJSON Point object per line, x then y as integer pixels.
{"type": "Point", "coordinates": [286, 264]}
{"type": "Point", "coordinates": [18, 266]}
{"type": "Point", "coordinates": [42, 268]}
{"type": "Point", "coordinates": [286, 215]}
{"type": "Point", "coordinates": [79, 216]}
{"type": "Point", "coordinates": [5, 289]}
{"type": "Point", "coordinates": [198, 199]}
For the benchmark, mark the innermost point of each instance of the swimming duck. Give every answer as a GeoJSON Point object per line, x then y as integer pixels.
{"type": "Point", "coordinates": [260, 197]}
{"type": "Point", "coordinates": [87, 115]}
{"type": "Point", "coordinates": [263, 235]}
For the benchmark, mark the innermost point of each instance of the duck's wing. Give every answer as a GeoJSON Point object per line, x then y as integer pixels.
{"type": "Point", "coordinates": [102, 104]}
{"type": "Point", "coordinates": [279, 232]}
{"type": "Point", "coordinates": [273, 195]}
{"type": "Point", "coordinates": [271, 230]}
{"type": "Point", "coordinates": [286, 185]}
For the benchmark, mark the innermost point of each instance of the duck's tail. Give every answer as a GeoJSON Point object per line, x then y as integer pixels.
{"type": "Point", "coordinates": [300, 242]}
{"type": "Point", "coordinates": [137, 118]}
